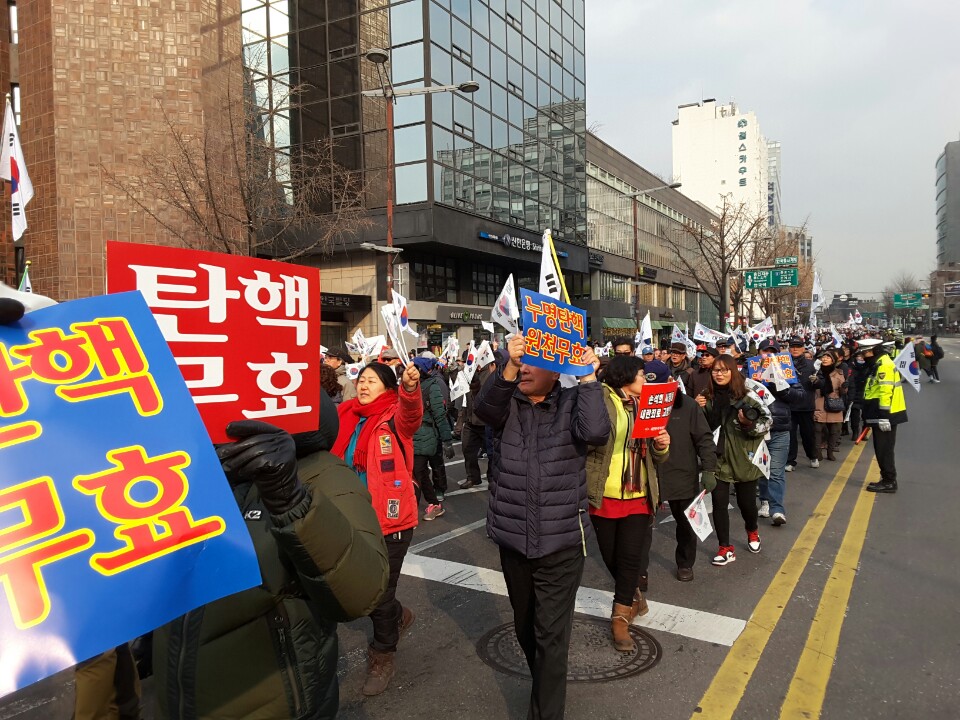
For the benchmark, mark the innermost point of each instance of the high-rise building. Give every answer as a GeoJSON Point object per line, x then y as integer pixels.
{"type": "Point", "coordinates": [773, 184]}
{"type": "Point", "coordinates": [948, 206]}
{"type": "Point", "coordinates": [478, 176]}
{"type": "Point", "coordinates": [625, 234]}
{"type": "Point", "coordinates": [719, 151]}
{"type": "Point", "coordinates": [801, 242]}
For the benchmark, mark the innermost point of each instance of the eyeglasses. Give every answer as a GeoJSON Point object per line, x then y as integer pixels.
{"type": "Point", "coordinates": [622, 352]}
{"type": "Point", "coordinates": [721, 370]}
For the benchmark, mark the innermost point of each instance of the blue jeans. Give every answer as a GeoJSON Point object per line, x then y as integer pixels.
{"type": "Point", "coordinates": [774, 489]}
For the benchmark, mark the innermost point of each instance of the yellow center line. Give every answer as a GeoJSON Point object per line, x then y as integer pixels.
{"type": "Point", "coordinates": [723, 696]}
{"type": "Point", "coordinates": [809, 685]}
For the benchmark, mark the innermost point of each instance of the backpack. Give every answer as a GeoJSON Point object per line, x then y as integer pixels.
{"type": "Point", "coordinates": [927, 351]}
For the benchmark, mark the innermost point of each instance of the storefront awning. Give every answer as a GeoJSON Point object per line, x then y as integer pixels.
{"type": "Point", "coordinates": [661, 325]}
{"type": "Point", "coordinates": [619, 323]}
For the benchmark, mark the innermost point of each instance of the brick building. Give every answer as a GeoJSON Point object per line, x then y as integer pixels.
{"type": "Point", "coordinates": [92, 78]}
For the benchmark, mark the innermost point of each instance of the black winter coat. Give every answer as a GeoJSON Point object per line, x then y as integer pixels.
{"type": "Point", "coordinates": [808, 400]}
{"type": "Point", "coordinates": [697, 381]}
{"type": "Point", "coordinates": [782, 401]}
{"type": "Point", "coordinates": [691, 450]}
{"type": "Point", "coordinates": [538, 477]}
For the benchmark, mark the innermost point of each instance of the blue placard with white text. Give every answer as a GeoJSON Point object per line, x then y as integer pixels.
{"type": "Point", "coordinates": [115, 515]}
{"type": "Point", "coordinates": [555, 334]}
{"type": "Point", "coordinates": [757, 364]}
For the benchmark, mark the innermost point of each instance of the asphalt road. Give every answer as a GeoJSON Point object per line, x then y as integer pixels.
{"type": "Point", "coordinates": [852, 609]}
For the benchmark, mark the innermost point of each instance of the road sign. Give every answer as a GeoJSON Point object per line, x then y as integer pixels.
{"type": "Point", "coordinates": [902, 301]}
{"type": "Point", "coordinates": [951, 288]}
{"type": "Point", "coordinates": [789, 260]}
{"type": "Point", "coordinates": [787, 277]}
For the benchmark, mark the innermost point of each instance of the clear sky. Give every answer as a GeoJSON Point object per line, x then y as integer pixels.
{"type": "Point", "coordinates": [862, 94]}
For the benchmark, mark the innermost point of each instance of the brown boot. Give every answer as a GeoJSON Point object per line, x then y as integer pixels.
{"type": "Point", "coordinates": [619, 622]}
{"type": "Point", "coordinates": [639, 607]}
{"type": "Point", "coordinates": [380, 670]}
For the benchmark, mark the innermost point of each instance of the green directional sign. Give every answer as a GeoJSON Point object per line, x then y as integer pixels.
{"type": "Point", "coordinates": [902, 301]}
{"type": "Point", "coordinates": [789, 260]}
{"type": "Point", "coordinates": [756, 279]}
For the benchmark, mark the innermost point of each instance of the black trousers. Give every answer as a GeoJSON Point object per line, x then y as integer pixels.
{"type": "Point", "coordinates": [543, 594]}
{"type": "Point", "coordinates": [856, 421]}
{"type": "Point", "coordinates": [430, 475]}
{"type": "Point", "coordinates": [933, 372]}
{"type": "Point", "coordinates": [801, 423]}
{"type": "Point", "coordinates": [625, 549]}
{"type": "Point", "coordinates": [473, 442]}
{"type": "Point", "coordinates": [884, 444]}
{"type": "Point", "coordinates": [686, 539]}
{"type": "Point", "coordinates": [386, 616]}
{"type": "Point", "coordinates": [746, 501]}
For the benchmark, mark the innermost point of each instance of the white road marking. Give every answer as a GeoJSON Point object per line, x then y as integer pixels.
{"type": "Point", "coordinates": [694, 624]}
{"type": "Point", "coordinates": [439, 539]}
{"type": "Point", "coordinates": [478, 488]}
{"type": "Point", "coordinates": [453, 462]}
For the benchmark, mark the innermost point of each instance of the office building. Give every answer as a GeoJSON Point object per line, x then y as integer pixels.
{"type": "Point", "coordinates": [478, 176]}
{"type": "Point", "coordinates": [773, 185]}
{"type": "Point", "coordinates": [800, 242]}
{"type": "Point", "coordinates": [948, 206]}
{"type": "Point", "coordinates": [719, 151]}
{"type": "Point", "coordinates": [626, 234]}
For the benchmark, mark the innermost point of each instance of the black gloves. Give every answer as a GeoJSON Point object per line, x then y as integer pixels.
{"type": "Point", "coordinates": [708, 479]}
{"type": "Point", "coordinates": [448, 450]}
{"type": "Point", "coordinates": [10, 310]}
{"type": "Point", "coordinates": [266, 456]}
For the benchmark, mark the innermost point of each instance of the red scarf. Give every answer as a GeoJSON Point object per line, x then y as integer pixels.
{"type": "Point", "coordinates": [350, 413]}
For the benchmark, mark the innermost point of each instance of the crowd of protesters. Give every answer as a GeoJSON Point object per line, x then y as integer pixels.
{"type": "Point", "coordinates": [344, 500]}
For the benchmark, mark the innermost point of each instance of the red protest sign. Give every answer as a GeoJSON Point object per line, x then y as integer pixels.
{"type": "Point", "coordinates": [653, 409]}
{"type": "Point", "coordinates": [245, 332]}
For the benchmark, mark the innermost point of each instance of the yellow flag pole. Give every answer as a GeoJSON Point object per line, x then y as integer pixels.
{"type": "Point", "coordinates": [556, 264]}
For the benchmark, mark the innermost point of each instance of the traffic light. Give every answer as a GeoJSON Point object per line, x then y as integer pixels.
{"type": "Point", "coordinates": [925, 296]}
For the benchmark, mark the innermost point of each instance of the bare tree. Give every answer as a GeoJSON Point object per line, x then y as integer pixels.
{"type": "Point", "coordinates": [781, 302]}
{"type": "Point", "coordinates": [711, 254]}
{"type": "Point", "coordinates": [241, 192]}
{"type": "Point", "coordinates": [903, 282]}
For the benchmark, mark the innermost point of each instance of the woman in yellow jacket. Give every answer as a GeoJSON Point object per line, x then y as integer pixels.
{"type": "Point", "coordinates": [623, 494]}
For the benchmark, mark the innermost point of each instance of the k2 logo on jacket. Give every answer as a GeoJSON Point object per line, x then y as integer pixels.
{"type": "Point", "coordinates": [393, 509]}
{"type": "Point", "coordinates": [253, 515]}
{"type": "Point", "coordinates": [386, 444]}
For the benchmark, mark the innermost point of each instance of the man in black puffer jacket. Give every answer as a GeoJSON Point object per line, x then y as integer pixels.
{"type": "Point", "coordinates": [538, 507]}
{"type": "Point", "coordinates": [802, 406]}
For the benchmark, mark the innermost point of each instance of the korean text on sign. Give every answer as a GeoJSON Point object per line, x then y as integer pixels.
{"type": "Point", "coordinates": [109, 489]}
{"type": "Point", "coordinates": [653, 409]}
{"type": "Point", "coordinates": [245, 332]}
{"type": "Point", "coordinates": [555, 334]}
{"type": "Point", "coordinates": [757, 364]}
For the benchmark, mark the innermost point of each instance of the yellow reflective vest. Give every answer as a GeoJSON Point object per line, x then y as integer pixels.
{"type": "Point", "coordinates": [883, 394]}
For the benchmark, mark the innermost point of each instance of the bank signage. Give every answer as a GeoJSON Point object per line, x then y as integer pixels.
{"type": "Point", "coordinates": [519, 243]}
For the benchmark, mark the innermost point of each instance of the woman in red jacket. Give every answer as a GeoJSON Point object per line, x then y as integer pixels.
{"type": "Point", "coordinates": [376, 440]}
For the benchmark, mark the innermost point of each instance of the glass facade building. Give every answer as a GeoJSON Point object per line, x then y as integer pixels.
{"type": "Point", "coordinates": [478, 176]}
{"type": "Point", "coordinates": [514, 151]}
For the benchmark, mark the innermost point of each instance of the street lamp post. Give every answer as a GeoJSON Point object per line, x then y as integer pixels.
{"type": "Point", "coordinates": [380, 58]}
{"type": "Point", "coordinates": [635, 196]}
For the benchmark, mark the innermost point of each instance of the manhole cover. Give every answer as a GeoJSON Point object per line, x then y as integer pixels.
{"type": "Point", "coordinates": [592, 657]}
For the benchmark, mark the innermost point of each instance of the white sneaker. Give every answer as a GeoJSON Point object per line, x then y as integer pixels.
{"type": "Point", "coordinates": [814, 463]}
{"type": "Point", "coordinates": [779, 519]}
{"type": "Point", "coordinates": [788, 468]}
{"type": "Point", "coordinates": [764, 509]}
{"type": "Point", "coordinates": [936, 381]}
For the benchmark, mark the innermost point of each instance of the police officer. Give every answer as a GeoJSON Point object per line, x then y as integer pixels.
{"type": "Point", "coordinates": [884, 408]}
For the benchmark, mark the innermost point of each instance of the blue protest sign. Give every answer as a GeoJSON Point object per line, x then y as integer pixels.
{"type": "Point", "coordinates": [115, 516]}
{"type": "Point", "coordinates": [555, 334]}
{"type": "Point", "coordinates": [757, 364]}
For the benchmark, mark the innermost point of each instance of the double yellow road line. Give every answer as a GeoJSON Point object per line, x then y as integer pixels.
{"type": "Point", "coordinates": [809, 684]}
